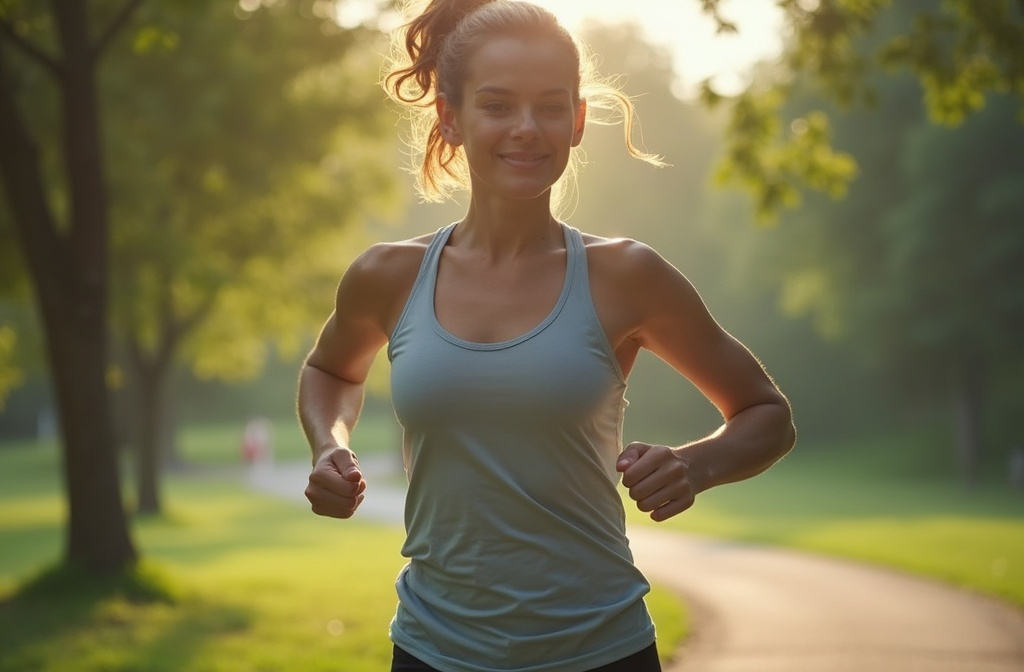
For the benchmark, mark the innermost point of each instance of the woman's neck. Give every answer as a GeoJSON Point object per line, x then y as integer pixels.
{"type": "Point", "coordinates": [508, 229]}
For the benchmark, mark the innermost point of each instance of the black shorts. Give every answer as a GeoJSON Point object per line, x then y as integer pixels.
{"type": "Point", "coordinates": [644, 661]}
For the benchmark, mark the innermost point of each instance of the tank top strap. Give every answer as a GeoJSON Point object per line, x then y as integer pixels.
{"type": "Point", "coordinates": [577, 259]}
{"type": "Point", "coordinates": [426, 278]}
{"type": "Point", "coordinates": [428, 268]}
{"type": "Point", "coordinates": [581, 301]}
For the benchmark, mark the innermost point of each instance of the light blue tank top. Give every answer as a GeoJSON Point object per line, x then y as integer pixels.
{"type": "Point", "coordinates": [518, 558]}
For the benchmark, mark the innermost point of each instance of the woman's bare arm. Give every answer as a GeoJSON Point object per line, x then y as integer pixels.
{"type": "Point", "coordinates": [333, 377]}
{"type": "Point", "coordinates": [649, 304]}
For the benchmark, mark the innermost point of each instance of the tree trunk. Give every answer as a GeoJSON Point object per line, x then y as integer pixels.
{"type": "Point", "coordinates": [97, 532]}
{"type": "Point", "coordinates": [151, 425]}
{"type": "Point", "coordinates": [170, 449]}
{"type": "Point", "coordinates": [152, 419]}
{"type": "Point", "coordinates": [69, 274]}
{"type": "Point", "coordinates": [147, 454]}
{"type": "Point", "coordinates": [968, 404]}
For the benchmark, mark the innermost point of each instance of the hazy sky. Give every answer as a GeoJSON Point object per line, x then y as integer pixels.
{"type": "Point", "coordinates": [698, 51]}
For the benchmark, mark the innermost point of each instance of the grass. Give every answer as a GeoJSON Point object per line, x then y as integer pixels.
{"type": "Point", "coordinates": [253, 584]}
{"type": "Point", "coordinates": [870, 500]}
{"type": "Point", "coordinates": [233, 581]}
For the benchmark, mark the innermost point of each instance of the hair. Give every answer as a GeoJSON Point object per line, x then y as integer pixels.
{"type": "Point", "coordinates": [430, 53]}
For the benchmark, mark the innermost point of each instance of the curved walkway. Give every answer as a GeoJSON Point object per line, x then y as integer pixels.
{"type": "Point", "coordinates": [758, 609]}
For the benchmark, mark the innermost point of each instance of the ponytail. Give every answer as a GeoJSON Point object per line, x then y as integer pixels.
{"type": "Point", "coordinates": [424, 39]}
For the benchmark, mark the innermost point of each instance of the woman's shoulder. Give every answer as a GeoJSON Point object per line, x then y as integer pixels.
{"type": "Point", "coordinates": [634, 271]}
{"type": "Point", "coordinates": [381, 277]}
{"type": "Point", "coordinates": [387, 262]}
{"type": "Point", "coordinates": [618, 255]}
{"type": "Point", "coordinates": [610, 243]}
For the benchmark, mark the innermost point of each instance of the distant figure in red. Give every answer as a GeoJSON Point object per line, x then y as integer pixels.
{"type": "Point", "coordinates": [256, 444]}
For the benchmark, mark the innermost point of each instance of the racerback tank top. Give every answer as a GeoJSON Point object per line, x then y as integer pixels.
{"type": "Point", "coordinates": [518, 558]}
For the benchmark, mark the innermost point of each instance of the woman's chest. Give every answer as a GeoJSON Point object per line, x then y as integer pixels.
{"type": "Point", "coordinates": [485, 302]}
{"type": "Point", "coordinates": [559, 375]}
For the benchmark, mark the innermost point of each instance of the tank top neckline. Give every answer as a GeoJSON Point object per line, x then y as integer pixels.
{"type": "Point", "coordinates": [571, 262]}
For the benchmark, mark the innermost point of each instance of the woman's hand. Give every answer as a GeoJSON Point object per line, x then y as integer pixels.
{"type": "Point", "coordinates": [658, 478]}
{"type": "Point", "coordinates": [336, 484]}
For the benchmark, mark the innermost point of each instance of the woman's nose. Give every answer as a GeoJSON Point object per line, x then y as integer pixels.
{"type": "Point", "coordinates": [526, 125]}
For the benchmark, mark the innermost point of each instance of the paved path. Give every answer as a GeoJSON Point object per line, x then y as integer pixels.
{"type": "Point", "coordinates": [758, 609]}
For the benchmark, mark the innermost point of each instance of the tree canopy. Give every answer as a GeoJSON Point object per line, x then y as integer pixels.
{"type": "Point", "coordinates": [237, 173]}
{"type": "Point", "coordinates": [961, 53]}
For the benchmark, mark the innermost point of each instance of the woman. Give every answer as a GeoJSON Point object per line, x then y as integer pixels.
{"type": "Point", "coordinates": [511, 336]}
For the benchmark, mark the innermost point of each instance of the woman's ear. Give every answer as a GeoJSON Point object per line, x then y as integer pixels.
{"type": "Point", "coordinates": [447, 123]}
{"type": "Point", "coordinates": [581, 123]}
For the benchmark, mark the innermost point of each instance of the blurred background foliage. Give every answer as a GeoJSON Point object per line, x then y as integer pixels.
{"type": "Point", "coordinates": [872, 256]}
{"type": "Point", "coordinates": [243, 149]}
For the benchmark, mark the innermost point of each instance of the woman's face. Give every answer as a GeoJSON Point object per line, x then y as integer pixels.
{"type": "Point", "coordinates": [519, 116]}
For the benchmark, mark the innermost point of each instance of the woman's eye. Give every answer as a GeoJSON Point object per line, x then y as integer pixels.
{"type": "Point", "coordinates": [494, 107]}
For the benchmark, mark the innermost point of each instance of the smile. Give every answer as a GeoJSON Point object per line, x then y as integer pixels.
{"type": "Point", "coordinates": [523, 159]}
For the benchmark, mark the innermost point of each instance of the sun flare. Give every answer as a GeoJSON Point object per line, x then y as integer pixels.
{"type": "Point", "coordinates": [698, 52]}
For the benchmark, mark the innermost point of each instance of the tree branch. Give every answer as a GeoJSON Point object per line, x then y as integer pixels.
{"type": "Point", "coordinates": [114, 26]}
{"type": "Point", "coordinates": [31, 50]}
{"type": "Point", "coordinates": [713, 8]}
{"type": "Point", "coordinates": [184, 325]}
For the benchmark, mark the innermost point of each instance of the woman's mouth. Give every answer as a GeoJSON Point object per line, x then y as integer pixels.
{"type": "Point", "coordinates": [523, 159]}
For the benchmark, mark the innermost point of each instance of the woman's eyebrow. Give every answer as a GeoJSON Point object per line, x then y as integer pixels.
{"type": "Point", "coordinates": [501, 91]}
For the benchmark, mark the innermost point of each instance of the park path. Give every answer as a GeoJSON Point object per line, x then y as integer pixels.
{"type": "Point", "coordinates": [758, 609]}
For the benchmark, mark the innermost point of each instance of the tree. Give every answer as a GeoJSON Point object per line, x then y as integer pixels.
{"type": "Point", "coordinates": [961, 52]}
{"type": "Point", "coordinates": [237, 170]}
{"type": "Point", "coordinates": [68, 258]}
{"type": "Point", "coordinates": [238, 146]}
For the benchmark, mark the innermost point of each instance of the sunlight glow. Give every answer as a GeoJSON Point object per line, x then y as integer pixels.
{"type": "Point", "coordinates": [698, 52]}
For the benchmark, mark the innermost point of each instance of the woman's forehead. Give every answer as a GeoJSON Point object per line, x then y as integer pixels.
{"type": "Point", "coordinates": [537, 64]}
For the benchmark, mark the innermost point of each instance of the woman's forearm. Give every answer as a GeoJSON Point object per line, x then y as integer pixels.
{"type": "Point", "coordinates": [328, 408]}
{"type": "Point", "coordinates": [746, 445]}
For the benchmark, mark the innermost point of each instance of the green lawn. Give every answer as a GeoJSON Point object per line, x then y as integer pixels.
{"type": "Point", "coordinates": [251, 583]}
{"type": "Point", "coordinates": [233, 581]}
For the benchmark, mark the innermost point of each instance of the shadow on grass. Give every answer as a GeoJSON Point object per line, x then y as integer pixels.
{"type": "Point", "coordinates": [138, 620]}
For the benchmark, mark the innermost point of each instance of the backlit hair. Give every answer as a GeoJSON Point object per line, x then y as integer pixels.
{"type": "Point", "coordinates": [430, 53]}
